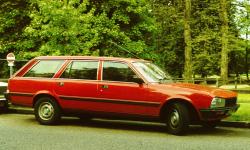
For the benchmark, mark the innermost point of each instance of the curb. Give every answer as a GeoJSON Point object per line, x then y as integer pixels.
{"type": "Point", "coordinates": [20, 111]}
{"type": "Point", "coordinates": [242, 91]}
{"type": "Point", "coordinates": [235, 124]}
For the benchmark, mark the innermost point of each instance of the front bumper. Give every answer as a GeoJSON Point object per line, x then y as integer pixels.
{"type": "Point", "coordinates": [218, 113]}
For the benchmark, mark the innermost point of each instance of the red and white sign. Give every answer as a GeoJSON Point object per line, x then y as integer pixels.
{"type": "Point", "coordinates": [11, 59]}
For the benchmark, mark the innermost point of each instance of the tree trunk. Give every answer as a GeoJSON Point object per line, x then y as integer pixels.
{"type": "Point", "coordinates": [246, 57]}
{"type": "Point", "coordinates": [224, 41]}
{"type": "Point", "coordinates": [66, 2]}
{"type": "Point", "coordinates": [187, 38]}
{"type": "Point", "coordinates": [246, 63]}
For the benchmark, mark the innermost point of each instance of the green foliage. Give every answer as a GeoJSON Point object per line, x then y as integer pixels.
{"type": "Point", "coordinates": [169, 40]}
{"type": "Point", "coordinates": [206, 37]}
{"type": "Point", "coordinates": [148, 29]}
{"type": "Point", "coordinates": [240, 49]}
{"type": "Point", "coordinates": [13, 18]}
{"type": "Point", "coordinates": [59, 29]}
{"type": "Point", "coordinates": [77, 27]}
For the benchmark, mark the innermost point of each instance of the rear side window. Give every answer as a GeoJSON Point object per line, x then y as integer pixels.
{"type": "Point", "coordinates": [81, 70]}
{"type": "Point", "coordinates": [45, 68]}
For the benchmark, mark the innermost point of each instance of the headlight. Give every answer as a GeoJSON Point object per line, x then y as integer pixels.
{"type": "Point", "coordinates": [217, 102]}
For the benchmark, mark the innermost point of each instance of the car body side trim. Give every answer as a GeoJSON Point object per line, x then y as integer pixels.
{"type": "Point", "coordinates": [21, 94]}
{"type": "Point", "coordinates": [115, 101]}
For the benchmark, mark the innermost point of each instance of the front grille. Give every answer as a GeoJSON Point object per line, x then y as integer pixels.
{"type": "Point", "coordinates": [231, 102]}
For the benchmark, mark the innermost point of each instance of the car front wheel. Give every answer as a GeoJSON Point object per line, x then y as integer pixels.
{"type": "Point", "coordinates": [177, 119]}
{"type": "Point", "coordinates": [47, 111]}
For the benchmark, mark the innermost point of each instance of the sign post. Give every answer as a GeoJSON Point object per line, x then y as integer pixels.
{"type": "Point", "coordinates": [11, 59]}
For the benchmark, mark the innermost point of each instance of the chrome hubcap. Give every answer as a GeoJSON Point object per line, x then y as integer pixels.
{"type": "Point", "coordinates": [174, 118]}
{"type": "Point", "coordinates": [46, 111]}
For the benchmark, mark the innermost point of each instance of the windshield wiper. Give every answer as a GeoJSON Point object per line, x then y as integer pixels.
{"type": "Point", "coordinates": [162, 80]}
{"type": "Point", "coordinates": [169, 80]}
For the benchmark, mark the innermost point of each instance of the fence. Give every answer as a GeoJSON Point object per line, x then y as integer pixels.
{"type": "Point", "coordinates": [214, 81]}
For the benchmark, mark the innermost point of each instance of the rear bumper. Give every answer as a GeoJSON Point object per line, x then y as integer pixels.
{"type": "Point", "coordinates": [4, 101]}
{"type": "Point", "coordinates": [7, 96]}
{"type": "Point", "coordinates": [217, 113]}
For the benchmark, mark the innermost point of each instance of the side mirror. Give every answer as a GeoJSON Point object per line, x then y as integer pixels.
{"type": "Point", "coordinates": [138, 80]}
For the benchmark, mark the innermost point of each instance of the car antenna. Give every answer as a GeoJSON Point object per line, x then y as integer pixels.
{"type": "Point", "coordinates": [122, 48]}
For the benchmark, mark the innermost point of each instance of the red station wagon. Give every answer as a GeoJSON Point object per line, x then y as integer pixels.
{"type": "Point", "coordinates": [115, 87]}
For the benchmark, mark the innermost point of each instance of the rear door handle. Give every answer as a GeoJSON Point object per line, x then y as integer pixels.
{"type": "Point", "coordinates": [104, 86]}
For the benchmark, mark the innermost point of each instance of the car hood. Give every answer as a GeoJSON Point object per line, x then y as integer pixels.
{"type": "Point", "coordinates": [194, 88]}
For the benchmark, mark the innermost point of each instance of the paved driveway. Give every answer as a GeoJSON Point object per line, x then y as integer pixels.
{"type": "Point", "coordinates": [23, 132]}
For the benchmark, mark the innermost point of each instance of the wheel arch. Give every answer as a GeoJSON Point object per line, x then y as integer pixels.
{"type": "Point", "coordinates": [39, 95]}
{"type": "Point", "coordinates": [194, 115]}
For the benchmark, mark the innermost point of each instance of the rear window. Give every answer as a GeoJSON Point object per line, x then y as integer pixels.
{"type": "Point", "coordinates": [45, 68]}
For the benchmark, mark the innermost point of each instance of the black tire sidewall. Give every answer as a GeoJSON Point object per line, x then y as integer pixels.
{"type": "Point", "coordinates": [184, 119]}
{"type": "Point", "coordinates": [57, 113]}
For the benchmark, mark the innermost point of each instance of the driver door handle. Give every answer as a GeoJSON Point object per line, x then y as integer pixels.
{"type": "Point", "coordinates": [61, 83]}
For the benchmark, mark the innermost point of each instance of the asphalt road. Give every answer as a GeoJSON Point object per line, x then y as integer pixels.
{"type": "Point", "coordinates": [22, 132]}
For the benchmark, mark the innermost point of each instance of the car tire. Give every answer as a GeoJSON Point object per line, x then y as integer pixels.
{"type": "Point", "coordinates": [47, 111]}
{"type": "Point", "coordinates": [178, 119]}
{"type": "Point", "coordinates": [210, 124]}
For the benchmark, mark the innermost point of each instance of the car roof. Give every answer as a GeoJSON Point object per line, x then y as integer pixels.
{"type": "Point", "coordinates": [89, 58]}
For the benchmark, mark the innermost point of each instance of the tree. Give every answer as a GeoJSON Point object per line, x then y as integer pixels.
{"type": "Point", "coordinates": [224, 40]}
{"type": "Point", "coordinates": [187, 36]}
{"type": "Point", "coordinates": [169, 40]}
{"type": "Point", "coordinates": [205, 37]}
{"type": "Point", "coordinates": [199, 39]}
{"type": "Point", "coordinates": [74, 27]}
{"type": "Point", "coordinates": [243, 23]}
{"type": "Point", "coordinates": [14, 18]}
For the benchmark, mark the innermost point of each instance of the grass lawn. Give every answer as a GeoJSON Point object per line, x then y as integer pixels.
{"type": "Point", "coordinates": [244, 98]}
{"type": "Point", "coordinates": [243, 113]}
{"type": "Point", "coordinates": [244, 89]}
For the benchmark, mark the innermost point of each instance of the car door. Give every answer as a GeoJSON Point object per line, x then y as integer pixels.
{"type": "Point", "coordinates": [120, 93]}
{"type": "Point", "coordinates": [78, 85]}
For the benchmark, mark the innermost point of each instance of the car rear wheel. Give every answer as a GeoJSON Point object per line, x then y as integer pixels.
{"type": "Point", "coordinates": [47, 111]}
{"type": "Point", "coordinates": [177, 119]}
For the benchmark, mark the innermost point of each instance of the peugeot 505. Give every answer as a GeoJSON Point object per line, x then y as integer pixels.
{"type": "Point", "coordinates": [127, 88]}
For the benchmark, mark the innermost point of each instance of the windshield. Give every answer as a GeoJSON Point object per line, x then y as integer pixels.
{"type": "Point", "coordinates": [152, 72]}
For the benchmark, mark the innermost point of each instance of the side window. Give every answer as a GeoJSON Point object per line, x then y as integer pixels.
{"type": "Point", "coordinates": [116, 71]}
{"type": "Point", "coordinates": [45, 68]}
{"type": "Point", "coordinates": [81, 70]}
